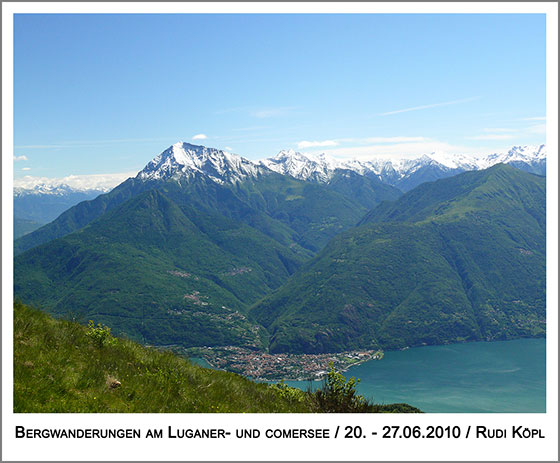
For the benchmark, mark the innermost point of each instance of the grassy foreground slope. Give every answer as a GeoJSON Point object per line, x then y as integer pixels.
{"type": "Point", "coordinates": [60, 367]}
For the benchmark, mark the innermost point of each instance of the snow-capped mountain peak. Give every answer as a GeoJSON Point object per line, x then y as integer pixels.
{"type": "Point", "coordinates": [302, 166]}
{"type": "Point", "coordinates": [288, 154]}
{"type": "Point", "coordinates": [321, 168]}
{"type": "Point", "coordinates": [517, 154]}
{"type": "Point", "coordinates": [187, 160]}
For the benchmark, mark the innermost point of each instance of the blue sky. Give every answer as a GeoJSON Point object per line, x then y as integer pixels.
{"type": "Point", "coordinates": [96, 94]}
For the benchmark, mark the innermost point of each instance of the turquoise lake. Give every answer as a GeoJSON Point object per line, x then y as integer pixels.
{"type": "Point", "coordinates": [477, 377]}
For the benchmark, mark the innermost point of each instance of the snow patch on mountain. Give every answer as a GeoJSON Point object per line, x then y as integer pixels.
{"type": "Point", "coordinates": [321, 167]}
{"type": "Point", "coordinates": [186, 160]}
{"type": "Point", "coordinates": [526, 154]}
{"type": "Point", "coordinates": [302, 166]}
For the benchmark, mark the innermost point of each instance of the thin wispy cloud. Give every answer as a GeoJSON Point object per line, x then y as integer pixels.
{"type": "Point", "coordinates": [539, 129]}
{"type": "Point", "coordinates": [88, 143]}
{"type": "Point", "coordinates": [229, 148]}
{"type": "Point", "coordinates": [492, 136]}
{"type": "Point", "coordinates": [311, 144]}
{"type": "Point", "coordinates": [256, 139]}
{"type": "Point", "coordinates": [498, 130]}
{"type": "Point", "coordinates": [20, 158]}
{"type": "Point", "coordinates": [428, 106]}
{"type": "Point", "coordinates": [402, 150]}
{"type": "Point", "coordinates": [508, 133]}
{"type": "Point", "coordinates": [232, 110]}
{"type": "Point", "coordinates": [26, 168]}
{"type": "Point", "coordinates": [250, 129]}
{"type": "Point", "coordinates": [272, 112]}
{"type": "Point", "coordinates": [360, 141]}
{"type": "Point", "coordinates": [32, 147]}
{"type": "Point", "coordinates": [199, 136]}
{"type": "Point", "coordinates": [382, 140]}
{"type": "Point", "coordinates": [259, 113]}
{"type": "Point", "coordinates": [533, 119]}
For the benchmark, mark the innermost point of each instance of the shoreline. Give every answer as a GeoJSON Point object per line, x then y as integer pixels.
{"type": "Point", "coordinates": [262, 366]}
{"type": "Point", "coordinates": [296, 367]}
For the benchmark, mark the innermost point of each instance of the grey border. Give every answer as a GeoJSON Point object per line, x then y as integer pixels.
{"type": "Point", "coordinates": [253, 1]}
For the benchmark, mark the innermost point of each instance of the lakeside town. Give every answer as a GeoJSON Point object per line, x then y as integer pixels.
{"type": "Point", "coordinates": [270, 367]}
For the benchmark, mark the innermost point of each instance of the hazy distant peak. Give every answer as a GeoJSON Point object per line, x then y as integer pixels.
{"type": "Point", "coordinates": [71, 184]}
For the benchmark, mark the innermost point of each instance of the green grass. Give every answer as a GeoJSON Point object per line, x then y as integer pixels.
{"type": "Point", "coordinates": [58, 368]}
{"type": "Point", "coordinates": [61, 366]}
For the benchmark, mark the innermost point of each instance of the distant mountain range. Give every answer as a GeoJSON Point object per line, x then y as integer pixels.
{"type": "Point", "coordinates": [289, 210]}
{"type": "Point", "coordinates": [204, 247]}
{"type": "Point", "coordinates": [179, 253]}
{"type": "Point", "coordinates": [40, 200]}
{"type": "Point", "coordinates": [43, 207]}
{"type": "Point", "coordinates": [73, 183]}
{"type": "Point", "coordinates": [404, 173]}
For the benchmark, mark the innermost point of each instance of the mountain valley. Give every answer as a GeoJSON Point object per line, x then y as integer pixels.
{"type": "Point", "coordinates": [300, 254]}
{"type": "Point", "coordinates": [458, 259]}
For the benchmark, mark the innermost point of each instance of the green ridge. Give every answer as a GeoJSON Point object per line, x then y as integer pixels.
{"type": "Point", "coordinates": [182, 262]}
{"type": "Point", "coordinates": [149, 272]}
{"type": "Point", "coordinates": [293, 212]}
{"type": "Point", "coordinates": [455, 260]}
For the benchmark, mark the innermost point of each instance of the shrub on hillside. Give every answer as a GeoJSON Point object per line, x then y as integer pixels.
{"type": "Point", "coordinates": [100, 334]}
{"type": "Point", "coordinates": [339, 396]}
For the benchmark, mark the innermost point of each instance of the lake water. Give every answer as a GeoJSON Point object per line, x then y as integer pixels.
{"type": "Point", "coordinates": [477, 377]}
{"type": "Point", "coordinates": [202, 362]}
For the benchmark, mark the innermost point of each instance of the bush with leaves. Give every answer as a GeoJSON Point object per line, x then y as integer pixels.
{"type": "Point", "coordinates": [293, 394]}
{"type": "Point", "coordinates": [339, 396]}
{"type": "Point", "coordinates": [100, 334]}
